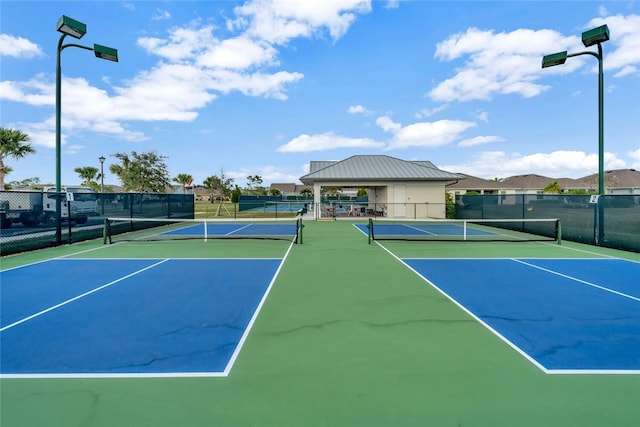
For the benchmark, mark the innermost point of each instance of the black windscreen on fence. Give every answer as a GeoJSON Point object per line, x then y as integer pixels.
{"type": "Point", "coordinates": [611, 221]}
{"type": "Point", "coordinates": [29, 220]}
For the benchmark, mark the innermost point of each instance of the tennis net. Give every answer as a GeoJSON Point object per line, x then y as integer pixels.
{"type": "Point", "coordinates": [468, 230]}
{"type": "Point", "coordinates": [161, 229]}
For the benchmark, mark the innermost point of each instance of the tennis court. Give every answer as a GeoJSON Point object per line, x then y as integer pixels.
{"type": "Point", "coordinates": [335, 331]}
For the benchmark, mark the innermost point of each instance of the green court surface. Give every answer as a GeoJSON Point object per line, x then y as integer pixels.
{"type": "Point", "coordinates": [348, 336]}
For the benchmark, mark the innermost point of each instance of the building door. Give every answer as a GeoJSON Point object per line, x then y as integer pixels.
{"type": "Point", "coordinates": [399, 199]}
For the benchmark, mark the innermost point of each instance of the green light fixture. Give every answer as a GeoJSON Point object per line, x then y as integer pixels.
{"type": "Point", "coordinates": [595, 36]}
{"type": "Point", "coordinates": [554, 59]}
{"type": "Point", "coordinates": [71, 27]}
{"type": "Point", "coordinates": [105, 52]}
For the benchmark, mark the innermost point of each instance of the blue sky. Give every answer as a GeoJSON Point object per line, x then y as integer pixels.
{"type": "Point", "coordinates": [265, 86]}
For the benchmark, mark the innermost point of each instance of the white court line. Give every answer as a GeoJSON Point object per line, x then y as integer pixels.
{"type": "Point", "coordinates": [211, 374]}
{"type": "Point", "coordinates": [40, 313]}
{"type": "Point", "coordinates": [506, 340]}
{"type": "Point", "coordinates": [469, 312]}
{"type": "Point", "coordinates": [237, 229]}
{"type": "Point", "coordinates": [236, 352]}
{"type": "Point", "coordinates": [584, 282]}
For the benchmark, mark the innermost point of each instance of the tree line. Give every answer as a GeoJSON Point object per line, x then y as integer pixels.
{"type": "Point", "coordinates": [144, 172]}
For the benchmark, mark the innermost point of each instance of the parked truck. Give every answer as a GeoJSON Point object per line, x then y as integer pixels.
{"type": "Point", "coordinates": [39, 207]}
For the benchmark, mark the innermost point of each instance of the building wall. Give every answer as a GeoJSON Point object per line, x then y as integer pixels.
{"type": "Point", "coordinates": [414, 199]}
{"type": "Point", "coordinates": [420, 199]}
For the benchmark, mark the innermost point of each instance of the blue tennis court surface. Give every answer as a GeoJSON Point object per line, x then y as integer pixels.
{"type": "Point", "coordinates": [565, 315]}
{"type": "Point", "coordinates": [129, 316]}
{"type": "Point", "coordinates": [229, 229]}
{"type": "Point", "coordinates": [418, 229]}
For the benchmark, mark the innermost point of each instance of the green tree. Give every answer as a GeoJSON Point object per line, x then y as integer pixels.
{"type": "Point", "coordinates": [307, 192]}
{"type": "Point", "coordinates": [254, 185]}
{"type": "Point", "coordinates": [184, 179]}
{"type": "Point", "coordinates": [29, 182]}
{"type": "Point", "coordinates": [552, 187]}
{"type": "Point", "coordinates": [333, 191]}
{"type": "Point", "coordinates": [212, 184]}
{"type": "Point", "coordinates": [580, 191]}
{"type": "Point", "coordinates": [275, 192]}
{"type": "Point", "coordinates": [235, 194]}
{"type": "Point", "coordinates": [13, 143]}
{"type": "Point", "coordinates": [218, 186]}
{"type": "Point", "coordinates": [88, 175]}
{"type": "Point", "coordinates": [253, 182]}
{"type": "Point", "coordinates": [450, 205]}
{"type": "Point", "coordinates": [141, 172]}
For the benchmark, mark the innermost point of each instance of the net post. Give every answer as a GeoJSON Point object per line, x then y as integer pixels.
{"type": "Point", "coordinates": [559, 231]}
{"type": "Point", "coordinates": [299, 227]}
{"type": "Point", "coordinates": [370, 230]}
{"type": "Point", "coordinates": [105, 231]}
{"type": "Point", "coordinates": [205, 231]}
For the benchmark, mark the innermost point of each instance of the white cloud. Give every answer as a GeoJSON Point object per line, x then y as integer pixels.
{"type": "Point", "coordinates": [392, 4]}
{"type": "Point", "coordinates": [181, 44]}
{"type": "Point", "coordinates": [388, 125]}
{"type": "Point", "coordinates": [357, 109]}
{"type": "Point", "coordinates": [181, 95]}
{"type": "Point", "coordinates": [622, 51]}
{"type": "Point", "coordinates": [239, 53]}
{"type": "Point", "coordinates": [481, 115]}
{"type": "Point", "coordinates": [479, 140]}
{"type": "Point", "coordinates": [425, 112]}
{"type": "Point", "coordinates": [18, 47]}
{"type": "Point", "coordinates": [423, 134]}
{"type": "Point", "coordinates": [327, 141]}
{"type": "Point", "coordinates": [199, 65]}
{"type": "Point", "coordinates": [73, 149]}
{"type": "Point", "coordinates": [36, 91]}
{"type": "Point", "coordinates": [256, 84]}
{"type": "Point", "coordinates": [269, 174]}
{"type": "Point", "coordinates": [502, 63]}
{"type": "Point", "coordinates": [278, 21]}
{"type": "Point", "coordinates": [557, 164]}
{"type": "Point", "coordinates": [625, 71]}
{"type": "Point", "coordinates": [195, 67]}
{"type": "Point", "coordinates": [509, 62]}
{"type": "Point", "coordinates": [161, 15]}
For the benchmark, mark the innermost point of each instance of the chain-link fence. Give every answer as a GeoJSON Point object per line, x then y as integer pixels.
{"type": "Point", "coordinates": [32, 220]}
{"type": "Point", "coordinates": [611, 221]}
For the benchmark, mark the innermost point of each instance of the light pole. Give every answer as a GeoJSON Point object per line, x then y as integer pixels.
{"type": "Point", "coordinates": [589, 38]}
{"type": "Point", "coordinates": [70, 27]}
{"type": "Point", "coordinates": [102, 159]}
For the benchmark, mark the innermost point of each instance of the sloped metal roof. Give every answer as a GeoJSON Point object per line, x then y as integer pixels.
{"type": "Point", "coordinates": [316, 165]}
{"type": "Point", "coordinates": [372, 168]}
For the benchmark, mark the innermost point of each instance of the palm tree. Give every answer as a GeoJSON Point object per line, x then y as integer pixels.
{"type": "Point", "coordinates": [12, 144]}
{"type": "Point", "coordinates": [184, 179]}
{"type": "Point", "coordinates": [552, 187]}
{"type": "Point", "coordinates": [89, 175]}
